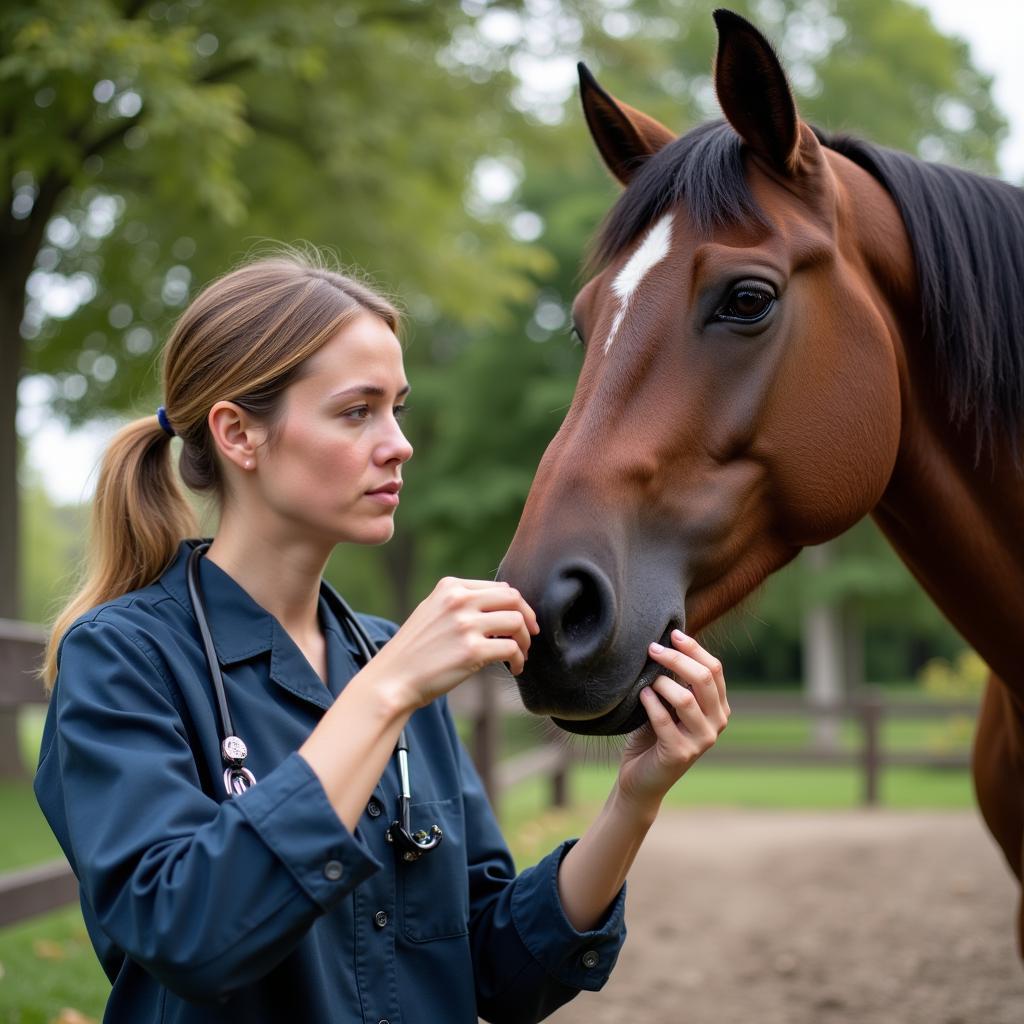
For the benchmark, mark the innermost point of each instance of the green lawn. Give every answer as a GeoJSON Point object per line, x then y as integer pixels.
{"type": "Point", "coordinates": [47, 964]}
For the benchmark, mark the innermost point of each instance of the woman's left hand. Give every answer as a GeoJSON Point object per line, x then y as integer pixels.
{"type": "Point", "coordinates": [656, 757]}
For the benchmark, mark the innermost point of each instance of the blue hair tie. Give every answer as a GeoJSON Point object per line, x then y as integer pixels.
{"type": "Point", "coordinates": [161, 415]}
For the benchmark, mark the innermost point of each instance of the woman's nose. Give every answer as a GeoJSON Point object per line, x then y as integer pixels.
{"type": "Point", "coordinates": [397, 447]}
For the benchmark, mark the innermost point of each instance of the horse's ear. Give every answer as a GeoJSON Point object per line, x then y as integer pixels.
{"type": "Point", "coordinates": [754, 92]}
{"type": "Point", "coordinates": [625, 137]}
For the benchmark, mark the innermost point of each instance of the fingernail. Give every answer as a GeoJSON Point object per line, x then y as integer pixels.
{"type": "Point", "coordinates": [678, 634]}
{"type": "Point", "coordinates": [657, 648]}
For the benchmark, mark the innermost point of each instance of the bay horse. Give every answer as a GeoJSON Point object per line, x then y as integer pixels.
{"type": "Point", "coordinates": [785, 331]}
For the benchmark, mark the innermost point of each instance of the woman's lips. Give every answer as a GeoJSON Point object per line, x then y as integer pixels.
{"type": "Point", "coordinates": [389, 498]}
{"type": "Point", "coordinates": [386, 494]}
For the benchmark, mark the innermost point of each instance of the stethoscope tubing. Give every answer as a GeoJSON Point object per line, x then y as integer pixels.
{"type": "Point", "coordinates": [238, 778]}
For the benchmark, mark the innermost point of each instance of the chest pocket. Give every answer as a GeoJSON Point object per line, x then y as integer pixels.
{"type": "Point", "coordinates": [435, 889]}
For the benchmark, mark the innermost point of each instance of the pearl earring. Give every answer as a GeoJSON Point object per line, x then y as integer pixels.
{"type": "Point", "coordinates": [248, 464]}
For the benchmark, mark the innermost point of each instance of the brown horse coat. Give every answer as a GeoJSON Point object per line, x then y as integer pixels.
{"type": "Point", "coordinates": [785, 334]}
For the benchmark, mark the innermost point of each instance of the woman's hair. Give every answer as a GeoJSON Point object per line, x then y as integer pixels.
{"type": "Point", "coordinates": [244, 338]}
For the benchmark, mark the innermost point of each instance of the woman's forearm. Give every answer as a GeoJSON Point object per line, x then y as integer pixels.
{"type": "Point", "coordinates": [592, 872]}
{"type": "Point", "coordinates": [353, 742]}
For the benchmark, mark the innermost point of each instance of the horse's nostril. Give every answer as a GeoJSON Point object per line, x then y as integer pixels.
{"type": "Point", "coordinates": [581, 612]}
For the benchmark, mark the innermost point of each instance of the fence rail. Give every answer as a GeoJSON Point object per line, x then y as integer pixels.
{"type": "Point", "coordinates": [485, 703]}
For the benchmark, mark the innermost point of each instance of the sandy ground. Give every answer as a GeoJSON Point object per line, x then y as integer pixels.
{"type": "Point", "coordinates": [815, 918]}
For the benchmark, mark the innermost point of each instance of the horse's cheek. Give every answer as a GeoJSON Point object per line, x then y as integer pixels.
{"type": "Point", "coordinates": [834, 443]}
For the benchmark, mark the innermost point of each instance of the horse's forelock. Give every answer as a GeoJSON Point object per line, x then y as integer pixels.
{"type": "Point", "coordinates": [703, 169]}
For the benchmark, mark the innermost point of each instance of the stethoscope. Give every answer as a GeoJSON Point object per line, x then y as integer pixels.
{"type": "Point", "coordinates": [238, 778]}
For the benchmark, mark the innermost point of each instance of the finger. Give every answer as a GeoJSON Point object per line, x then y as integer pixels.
{"type": "Point", "coordinates": [501, 596]}
{"type": "Point", "coordinates": [691, 672]}
{"type": "Point", "coordinates": [507, 624]}
{"type": "Point", "coordinates": [688, 645]}
{"type": "Point", "coordinates": [482, 584]}
{"type": "Point", "coordinates": [659, 716]}
{"type": "Point", "coordinates": [684, 704]}
{"type": "Point", "coordinates": [497, 649]}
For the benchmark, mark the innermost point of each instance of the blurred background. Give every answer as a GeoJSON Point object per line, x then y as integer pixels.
{"type": "Point", "coordinates": [438, 146]}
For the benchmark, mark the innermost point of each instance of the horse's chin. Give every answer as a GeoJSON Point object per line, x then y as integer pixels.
{"type": "Point", "coordinates": [627, 715]}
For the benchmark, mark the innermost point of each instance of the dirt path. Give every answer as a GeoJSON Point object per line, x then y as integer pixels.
{"type": "Point", "coordinates": [815, 918]}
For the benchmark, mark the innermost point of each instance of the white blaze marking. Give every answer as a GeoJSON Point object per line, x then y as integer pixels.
{"type": "Point", "coordinates": [652, 250]}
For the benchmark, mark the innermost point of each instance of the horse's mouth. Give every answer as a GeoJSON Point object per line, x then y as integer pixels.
{"type": "Point", "coordinates": [628, 714]}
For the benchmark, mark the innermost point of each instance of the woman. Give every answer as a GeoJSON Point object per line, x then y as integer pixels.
{"type": "Point", "coordinates": [292, 899]}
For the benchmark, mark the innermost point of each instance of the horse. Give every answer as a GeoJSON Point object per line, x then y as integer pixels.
{"type": "Point", "coordinates": [784, 331]}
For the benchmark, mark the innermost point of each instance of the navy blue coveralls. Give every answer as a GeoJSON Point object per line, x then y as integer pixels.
{"type": "Point", "coordinates": [265, 908]}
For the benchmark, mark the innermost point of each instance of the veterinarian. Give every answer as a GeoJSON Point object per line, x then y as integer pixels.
{"type": "Point", "coordinates": [262, 794]}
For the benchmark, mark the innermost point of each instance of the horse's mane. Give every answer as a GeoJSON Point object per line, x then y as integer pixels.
{"type": "Point", "coordinates": [967, 235]}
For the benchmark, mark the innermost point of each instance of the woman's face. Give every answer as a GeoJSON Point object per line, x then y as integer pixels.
{"type": "Point", "coordinates": [335, 463]}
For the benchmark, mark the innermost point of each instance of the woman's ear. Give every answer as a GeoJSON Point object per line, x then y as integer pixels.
{"type": "Point", "coordinates": [236, 434]}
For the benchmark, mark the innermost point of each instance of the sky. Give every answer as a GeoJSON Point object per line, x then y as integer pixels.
{"type": "Point", "coordinates": [994, 29]}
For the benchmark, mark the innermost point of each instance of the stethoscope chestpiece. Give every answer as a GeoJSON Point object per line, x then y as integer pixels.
{"type": "Point", "coordinates": [413, 845]}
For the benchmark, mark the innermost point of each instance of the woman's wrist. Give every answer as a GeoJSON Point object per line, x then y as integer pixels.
{"type": "Point", "coordinates": [634, 809]}
{"type": "Point", "coordinates": [393, 692]}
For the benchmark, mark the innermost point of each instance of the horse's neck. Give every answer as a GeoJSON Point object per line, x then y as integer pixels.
{"type": "Point", "coordinates": [960, 529]}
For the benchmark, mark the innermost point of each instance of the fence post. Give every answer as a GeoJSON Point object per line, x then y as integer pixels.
{"type": "Point", "coordinates": [560, 782]}
{"type": "Point", "coordinates": [871, 720]}
{"type": "Point", "coordinates": [21, 652]}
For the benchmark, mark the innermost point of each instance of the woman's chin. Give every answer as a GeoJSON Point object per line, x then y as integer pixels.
{"type": "Point", "coordinates": [371, 534]}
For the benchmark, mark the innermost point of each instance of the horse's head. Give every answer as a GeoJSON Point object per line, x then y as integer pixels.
{"type": "Point", "coordinates": [739, 396]}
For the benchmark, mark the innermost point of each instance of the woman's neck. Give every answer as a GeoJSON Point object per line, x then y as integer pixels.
{"type": "Point", "coordinates": [280, 573]}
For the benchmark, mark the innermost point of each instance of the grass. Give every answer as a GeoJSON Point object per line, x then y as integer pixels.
{"type": "Point", "coordinates": [27, 839]}
{"type": "Point", "coordinates": [47, 965]}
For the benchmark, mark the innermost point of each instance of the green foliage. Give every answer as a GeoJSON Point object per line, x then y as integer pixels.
{"type": "Point", "coordinates": [962, 679]}
{"type": "Point", "coordinates": [180, 135]}
{"type": "Point", "coordinates": [360, 126]}
{"type": "Point", "coordinates": [53, 540]}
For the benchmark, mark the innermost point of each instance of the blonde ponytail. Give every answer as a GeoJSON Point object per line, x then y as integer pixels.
{"type": "Point", "coordinates": [139, 517]}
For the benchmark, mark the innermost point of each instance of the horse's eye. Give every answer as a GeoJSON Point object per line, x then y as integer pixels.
{"type": "Point", "coordinates": [576, 334]}
{"type": "Point", "coordinates": [747, 303]}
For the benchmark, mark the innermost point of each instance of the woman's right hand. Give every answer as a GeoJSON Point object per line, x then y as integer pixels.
{"type": "Point", "coordinates": [460, 627]}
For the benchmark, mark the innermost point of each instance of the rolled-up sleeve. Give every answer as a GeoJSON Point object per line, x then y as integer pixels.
{"type": "Point", "coordinates": [206, 896]}
{"type": "Point", "coordinates": [528, 958]}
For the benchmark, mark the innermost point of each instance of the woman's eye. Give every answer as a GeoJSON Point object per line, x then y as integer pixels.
{"type": "Point", "coordinates": [400, 411]}
{"type": "Point", "coordinates": [359, 413]}
{"type": "Point", "coordinates": [747, 303]}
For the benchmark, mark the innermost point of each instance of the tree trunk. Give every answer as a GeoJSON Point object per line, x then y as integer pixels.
{"type": "Point", "coordinates": [19, 244]}
{"type": "Point", "coordinates": [399, 557]}
{"type": "Point", "coordinates": [853, 649]}
{"type": "Point", "coordinates": [824, 657]}
{"type": "Point", "coordinates": [11, 309]}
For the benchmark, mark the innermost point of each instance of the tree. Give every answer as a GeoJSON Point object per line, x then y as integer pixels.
{"type": "Point", "coordinates": [879, 69]}
{"type": "Point", "coordinates": [147, 146]}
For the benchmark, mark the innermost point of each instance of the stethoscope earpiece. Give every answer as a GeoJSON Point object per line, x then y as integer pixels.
{"type": "Point", "coordinates": [233, 751]}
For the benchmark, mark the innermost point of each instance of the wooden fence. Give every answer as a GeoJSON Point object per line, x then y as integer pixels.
{"type": "Point", "coordinates": [869, 712]}
{"type": "Point", "coordinates": [35, 890]}
{"type": "Point", "coordinates": [485, 703]}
